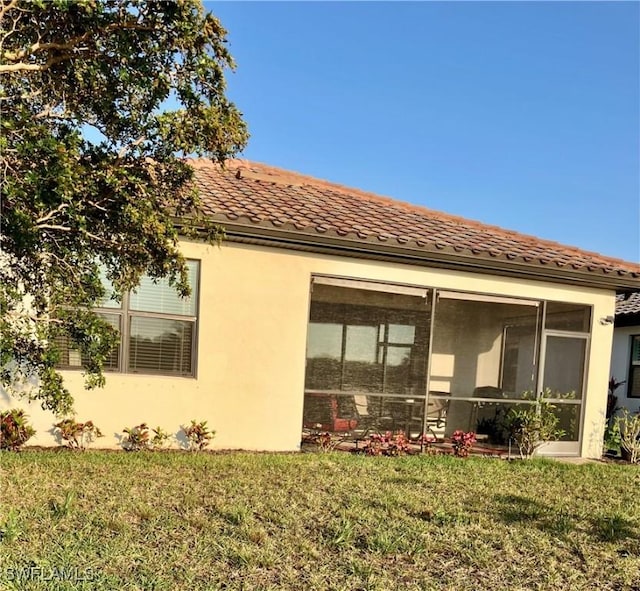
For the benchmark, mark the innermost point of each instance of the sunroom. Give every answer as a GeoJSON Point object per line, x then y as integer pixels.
{"type": "Point", "coordinates": [426, 362]}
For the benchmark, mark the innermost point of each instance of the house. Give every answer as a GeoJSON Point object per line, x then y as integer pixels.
{"type": "Point", "coordinates": [329, 307]}
{"type": "Point", "coordinates": [625, 356]}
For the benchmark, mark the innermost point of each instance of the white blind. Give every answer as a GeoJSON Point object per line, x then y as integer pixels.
{"type": "Point", "coordinates": [159, 345]}
{"type": "Point", "coordinates": [160, 297]}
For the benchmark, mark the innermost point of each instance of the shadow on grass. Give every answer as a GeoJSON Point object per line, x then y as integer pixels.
{"type": "Point", "coordinates": [516, 509]}
{"type": "Point", "coordinates": [512, 509]}
{"type": "Point", "coordinates": [613, 528]}
{"type": "Point", "coordinates": [559, 522]}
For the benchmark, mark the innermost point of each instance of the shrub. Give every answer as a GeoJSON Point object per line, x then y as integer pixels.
{"type": "Point", "coordinates": [426, 441]}
{"type": "Point", "coordinates": [462, 443]}
{"type": "Point", "coordinates": [198, 435]}
{"type": "Point", "coordinates": [494, 427]}
{"type": "Point", "coordinates": [160, 438]}
{"type": "Point", "coordinates": [629, 427]}
{"type": "Point", "coordinates": [612, 400]}
{"type": "Point", "coordinates": [397, 445]}
{"type": "Point", "coordinates": [14, 429]}
{"type": "Point", "coordinates": [77, 435]}
{"type": "Point", "coordinates": [137, 438]}
{"type": "Point", "coordinates": [389, 444]}
{"type": "Point", "coordinates": [532, 427]}
{"type": "Point", "coordinates": [323, 439]}
{"type": "Point", "coordinates": [612, 440]}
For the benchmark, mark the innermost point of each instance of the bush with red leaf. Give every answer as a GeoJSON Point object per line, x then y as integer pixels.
{"type": "Point", "coordinates": [387, 444]}
{"type": "Point", "coordinates": [462, 443]}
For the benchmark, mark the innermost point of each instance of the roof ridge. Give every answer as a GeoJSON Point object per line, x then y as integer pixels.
{"type": "Point", "coordinates": [262, 172]}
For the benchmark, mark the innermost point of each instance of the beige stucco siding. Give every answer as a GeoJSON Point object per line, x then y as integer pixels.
{"type": "Point", "coordinates": [254, 304]}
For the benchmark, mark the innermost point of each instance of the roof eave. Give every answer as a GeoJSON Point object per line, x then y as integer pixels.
{"type": "Point", "coordinates": [624, 320]}
{"type": "Point", "coordinates": [345, 246]}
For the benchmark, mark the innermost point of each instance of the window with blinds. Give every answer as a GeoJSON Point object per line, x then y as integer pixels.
{"type": "Point", "coordinates": [157, 329]}
{"type": "Point", "coordinates": [72, 358]}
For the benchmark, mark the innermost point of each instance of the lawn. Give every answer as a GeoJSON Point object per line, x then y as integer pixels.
{"type": "Point", "coordinates": [148, 520]}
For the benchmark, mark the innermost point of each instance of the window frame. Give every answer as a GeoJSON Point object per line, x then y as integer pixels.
{"type": "Point", "coordinates": [124, 313]}
{"type": "Point", "coordinates": [632, 365]}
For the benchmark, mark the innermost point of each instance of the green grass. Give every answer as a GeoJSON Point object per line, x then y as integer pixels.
{"type": "Point", "coordinates": [171, 521]}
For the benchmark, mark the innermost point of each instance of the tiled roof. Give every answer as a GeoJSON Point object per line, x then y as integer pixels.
{"type": "Point", "coordinates": [628, 304]}
{"type": "Point", "coordinates": [255, 195]}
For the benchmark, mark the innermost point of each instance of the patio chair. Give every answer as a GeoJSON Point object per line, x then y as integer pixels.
{"type": "Point", "coordinates": [437, 412]}
{"type": "Point", "coordinates": [373, 415]}
{"type": "Point", "coordinates": [437, 409]}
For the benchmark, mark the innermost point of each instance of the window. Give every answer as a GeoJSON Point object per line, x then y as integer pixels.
{"type": "Point", "coordinates": [376, 343]}
{"type": "Point", "coordinates": [633, 390]}
{"type": "Point", "coordinates": [157, 329]}
{"type": "Point", "coordinates": [72, 358]}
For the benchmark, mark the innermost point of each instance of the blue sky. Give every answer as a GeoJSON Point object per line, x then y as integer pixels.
{"type": "Point", "coordinates": [522, 115]}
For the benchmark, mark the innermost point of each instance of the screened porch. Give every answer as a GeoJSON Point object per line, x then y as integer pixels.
{"type": "Point", "coordinates": [427, 362]}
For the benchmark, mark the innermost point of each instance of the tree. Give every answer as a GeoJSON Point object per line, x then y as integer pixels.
{"type": "Point", "coordinates": [149, 77]}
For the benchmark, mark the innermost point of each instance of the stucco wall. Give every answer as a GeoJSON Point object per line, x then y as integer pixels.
{"type": "Point", "coordinates": [620, 356]}
{"type": "Point", "coordinates": [254, 304]}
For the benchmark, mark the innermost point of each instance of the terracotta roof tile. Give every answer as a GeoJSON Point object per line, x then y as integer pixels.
{"type": "Point", "coordinates": [628, 304]}
{"type": "Point", "coordinates": [264, 195]}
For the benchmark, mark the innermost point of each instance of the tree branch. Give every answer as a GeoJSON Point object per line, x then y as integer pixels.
{"type": "Point", "coordinates": [49, 113]}
{"type": "Point", "coordinates": [53, 227]}
{"type": "Point", "coordinates": [53, 212]}
{"type": "Point", "coordinates": [80, 230]}
{"type": "Point", "coordinates": [6, 7]}
{"type": "Point", "coordinates": [49, 255]}
{"type": "Point", "coordinates": [130, 146]}
{"type": "Point", "coordinates": [97, 238]}
{"type": "Point", "coordinates": [94, 204]}
{"type": "Point", "coordinates": [14, 26]}
{"type": "Point", "coordinates": [23, 97]}
{"type": "Point", "coordinates": [70, 48]}
{"type": "Point", "coordinates": [14, 56]}
{"type": "Point", "coordinates": [25, 67]}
